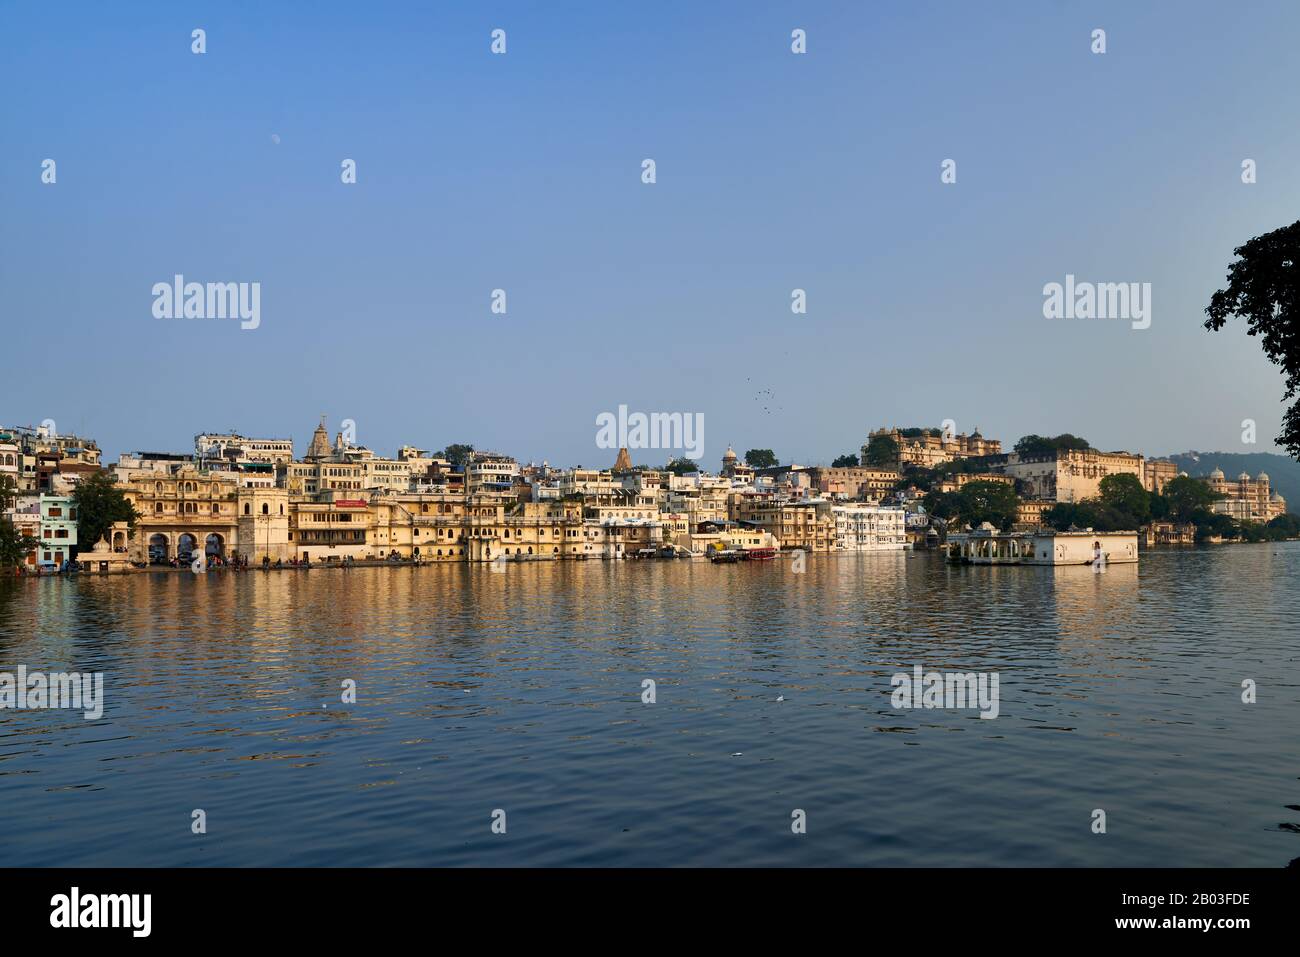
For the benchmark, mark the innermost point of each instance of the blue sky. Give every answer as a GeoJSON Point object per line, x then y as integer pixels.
{"type": "Point", "coordinates": [522, 172]}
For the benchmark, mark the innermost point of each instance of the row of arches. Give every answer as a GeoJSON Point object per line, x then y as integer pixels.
{"type": "Point", "coordinates": [160, 546]}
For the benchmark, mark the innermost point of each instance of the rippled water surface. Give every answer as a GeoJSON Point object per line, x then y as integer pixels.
{"type": "Point", "coordinates": [522, 691]}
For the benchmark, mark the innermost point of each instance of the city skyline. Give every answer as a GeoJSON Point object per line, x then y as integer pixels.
{"type": "Point", "coordinates": [478, 172]}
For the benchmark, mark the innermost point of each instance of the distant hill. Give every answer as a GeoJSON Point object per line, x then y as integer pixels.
{"type": "Point", "coordinates": [1283, 472]}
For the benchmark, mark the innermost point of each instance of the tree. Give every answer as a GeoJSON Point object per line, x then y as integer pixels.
{"type": "Point", "coordinates": [1126, 494]}
{"type": "Point", "coordinates": [976, 502]}
{"type": "Point", "coordinates": [848, 461]}
{"type": "Point", "coordinates": [1186, 498]}
{"type": "Point", "coordinates": [1041, 446]}
{"type": "Point", "coordinates": [985, 501]}
{"type": "Point", "coordinates": [880, 452]}
{"type": "Point", "coordinates": [1264, 289]}
{"type": "Point", "coordinates": [456, 454]}
{"type": "Point", "coordinates": [680, 466]}
{"type": "Point", "coordinates": [100, 502]}
{"type": "Point", "coordinates": [14, 546]}
{"type": "Point", "coordinates": [8, 491]}
{"type": "Point", "coordinates": [760, 458]}
{"type": "Point", "coordinates": [1089, 513]}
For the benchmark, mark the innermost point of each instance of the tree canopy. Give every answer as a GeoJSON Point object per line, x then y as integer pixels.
{"type": "Point", "coordinates": [880, 452]}
{"type": "Point", "coordinates": [761, 458]}
{"type": "Point", "coordinates": [1042, 446]}
{"type": "Point", "coordinates": [846, 461]}
{"type": "Point", "coordinates": [681, 466]}
{"type": "Point", "coordinates": [1264, 289]}
{"type": "Point", "coordinates": [100, 502]}
{"type": "Point", "coordinates": [976, 502]}
{"type": "Point", "coordinates": [456, 454]}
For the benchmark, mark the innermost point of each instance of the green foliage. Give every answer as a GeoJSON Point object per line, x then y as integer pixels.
{"type": "Point", "coordinates": [456, 454]}
{"type": "Point", "coordinates": [847, 461]}
{"type": "Point", "coordinates": [975, 502]}
{"type": "Point", "coordinates": [1090, 513]}
{"type": "Point", "coordinates": [880, 452]}
{"type": "Point", "coordinates": [1264, 289]}
{"type": "Point", "coordinates": [681, 466]}
{"type": "Point", "coordinates": [8, 491]}
{"type": "Point", "coordinates": [1041, 446]}
{"type": "Point", "coordinates": [761, 458]}
{"type": "Point", "coordinates": [100, 502]}
{"type": "Point", "coordinates": [14, 546]}
{"type": "Point", "coordinates": [1125, 494]}
{"type": "Point", "coordinates": [1186, 498]}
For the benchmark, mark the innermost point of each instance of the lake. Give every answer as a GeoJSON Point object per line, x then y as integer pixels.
{"type": "Point", "coordinates": [521, 691]}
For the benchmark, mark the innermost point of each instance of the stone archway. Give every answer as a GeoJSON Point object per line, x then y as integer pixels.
{"type": "Point", "coordinates": [214, 544]}
{"type": "Point", "coordinates": [159, 548]}
{"type": "Point", "coordinates": [186, 545]}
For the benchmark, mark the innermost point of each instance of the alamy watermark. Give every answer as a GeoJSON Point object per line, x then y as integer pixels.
{"type": "Point", "coordinates": [947, 690]}
{"type": "Point", "coordinates": [83, 691]}
{"type": "Point", "coordinates": [1103, 300]}
{"type": "Point", "coordinates": [179, 299]}
{"type": "Point", "coordinates": [654, 430]}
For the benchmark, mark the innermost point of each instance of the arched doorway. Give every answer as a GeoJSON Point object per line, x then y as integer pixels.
{"type": "Point", "coordinates": [159, 549]}
{"type": "Point", "coordinates": [215, 545]}
{"type": "Point", "coordinates": [186, 546]}
{"type": "Point", "coordinates": [119, 541]}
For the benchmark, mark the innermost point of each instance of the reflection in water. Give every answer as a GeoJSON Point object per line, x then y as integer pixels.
{"type": "Point", "coordinates": [522, 690]}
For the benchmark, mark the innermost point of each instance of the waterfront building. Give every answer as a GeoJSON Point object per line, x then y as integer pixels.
{"type": "Point", "coordinates": [987, 546]}
{"type": "Point", "coordinates": [330, 529]}
{"type": "Point", "coordinates": [1168, 533]}
{"type": "Point", "coordinates": [58, 528]}
{"type": "Point", "coordinates": [860, 527]}
{"type": "Point", "coordinates": [262, 524]}
{"type": "Point", "coordinates": [807, 525]}
{"type": "Point", "coordinates": [1245, 499]}
{"type": "Point", "coordinates": [1029, 513]}
{"type": "Point", "coordinates": [186, 512]}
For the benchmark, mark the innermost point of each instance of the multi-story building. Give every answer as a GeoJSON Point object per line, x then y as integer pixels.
{"type": "Point", "coordinates": [585, 482]}
{"type": "Point", "coordinates": [58, 534]}
{"type": "Point", "coordinates": [182, 514]}
{"type": "Point", "coordinates": [1029, 513]}
{"type": "Point", "coordinates": [10, 458]}
{"type": "Point", "coordinates": [807, 525]}
{"type": "Point", "coordinates": [1069, 475]}
{"type": "Point", "coordinates": [1156, 473]}
{"type": "Point", "coordinates": [931, 447]}
{"type": "Point", "coordinates": [1245, 499]}
{"type": "Point", "coordinates": [855, 482]}
{"type": "Point", "coordinates": [233, 447]}
{"type": "Point", "coordinates": [869, 528]}
{"type": "Point", "coordinates": [487, 471]}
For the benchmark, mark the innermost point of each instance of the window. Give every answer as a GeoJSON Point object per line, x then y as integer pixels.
{"type": "Point", "coordinates": [265, 509]}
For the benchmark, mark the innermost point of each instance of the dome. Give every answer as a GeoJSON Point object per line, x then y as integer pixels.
{"type": "Point", "coordinates": [729, 455]}
{"type": "Point", "coordinates": [1243, 477]}
{"type": "Point", "coordinates": [1217, 474]}
{"type": "Point", "coordinates": [1276, 498]}
{"type": "Point", "coordinates": [1262, 477]}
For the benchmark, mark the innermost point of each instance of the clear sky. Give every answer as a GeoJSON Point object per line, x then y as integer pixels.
{"type": "Point", "coordinates": [775, 171]}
